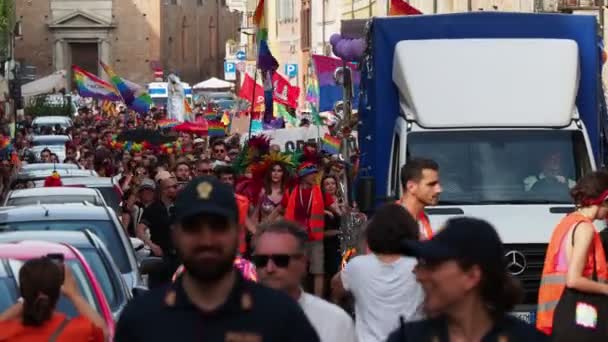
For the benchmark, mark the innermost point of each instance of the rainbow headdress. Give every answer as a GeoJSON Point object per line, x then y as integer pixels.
{"type": "Point", "coordinates": [216, 129]}
{"type": "Point", "coordinates": [331, 144]}
{"type": "Point", "coordinates": [167, 123]}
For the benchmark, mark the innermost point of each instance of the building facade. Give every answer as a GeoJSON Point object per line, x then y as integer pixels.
{"type": "Point", "coordinates": [135, 37]}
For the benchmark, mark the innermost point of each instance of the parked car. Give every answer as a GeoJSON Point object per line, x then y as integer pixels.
{"type": "Point", "coordinates": [53, 195]}
{"type": "Point", "coordinates": [24, 177]}
{"type": "Point", "coordinates": [52, 121]}
{"type": "Point", "coordinates": [48, 166]}
{"type": "Point", "coordinates": [96, 255]}
{"type": "Point", "coordinates": [55, 143]}
{"type": "Point", "coordinates": [12, 257]}
{"type": "Point", "coordinates": [78, 217]}
{"type": "Point", "coordinates": [109, 188]}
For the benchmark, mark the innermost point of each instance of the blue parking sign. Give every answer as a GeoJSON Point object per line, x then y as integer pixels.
{"type": "Point", "coordinates": [229, 71]}
{"type": "Point", "coordinates": [291, 70]}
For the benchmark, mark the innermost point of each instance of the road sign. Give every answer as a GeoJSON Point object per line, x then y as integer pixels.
{"type": "Point", "coordinates": [240, 55]}
{"type": "Point", "coordinates": [291, 70]}
{"type": "Point", "coordinates": [229, 71]}
{"type": "Point", "coordinates": [241, 66]}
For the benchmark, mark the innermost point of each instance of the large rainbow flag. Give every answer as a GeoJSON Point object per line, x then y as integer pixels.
{"type": "Point", "coordinates": [89, 85]}
{"type": "Point", "coordinates": [135, 96]}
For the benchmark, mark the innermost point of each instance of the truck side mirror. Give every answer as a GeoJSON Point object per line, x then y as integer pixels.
{"type": "Point", "coordinates": [366, 190]}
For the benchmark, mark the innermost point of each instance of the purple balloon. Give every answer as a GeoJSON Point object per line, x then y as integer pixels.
{"type": "Point", "coordinates": [349, 52]}
{"type": "Point", "coordinates": [334, 39]}
{"type": "Point", "coordinates": [359, 46]}
{"type": "Point", "coordinates": [335, 48]}
{"type": "Point", "coordinates": [341, 48]}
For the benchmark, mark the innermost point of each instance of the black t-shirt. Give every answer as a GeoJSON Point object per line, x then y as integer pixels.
{"type": "Point", "coordinates": [156, 217]}
{"type": "Point", "coordinates": [436, 330]}
{"type": "Point", "coordinates": [251, 313]}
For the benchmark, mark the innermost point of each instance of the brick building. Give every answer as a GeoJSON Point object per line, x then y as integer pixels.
{"type": "Point", "coordinates": [187, 37]}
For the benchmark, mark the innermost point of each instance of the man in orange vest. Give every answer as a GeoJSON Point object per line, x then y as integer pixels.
{"type": "Point", "coordinates": [306, 206]}
{"type": "Point", "coordinates": [420, 187]}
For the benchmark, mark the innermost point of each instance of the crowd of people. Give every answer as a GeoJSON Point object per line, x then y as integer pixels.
{"type": "Point", "coordinates": [209, 204]}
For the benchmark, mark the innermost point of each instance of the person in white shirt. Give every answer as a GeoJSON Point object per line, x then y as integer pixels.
{"type": "Point", "coordinates": [383, 283]}
{"type": "Point", "coordinates": [281, 263]}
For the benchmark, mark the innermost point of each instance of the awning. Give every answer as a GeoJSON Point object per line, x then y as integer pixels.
{"type": "Point", "coordinates": [213, 83]}
{"type": "Point", "coordinates": [46, 85]}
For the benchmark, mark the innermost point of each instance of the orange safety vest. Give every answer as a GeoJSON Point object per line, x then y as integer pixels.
{"type": "Point", "coordinates": [316, 222]}
{"type": "Point", "coordinates": [242, 203]}
{"type": "Point", "coordinates": [426, 233]}
{"type": "Point", "coordinates": [553, 282]}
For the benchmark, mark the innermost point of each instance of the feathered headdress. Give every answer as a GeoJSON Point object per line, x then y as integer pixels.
{"type": "Point", "coordinates": [54, 180]}
{"type": "Point", "coordinates": [252, 153]}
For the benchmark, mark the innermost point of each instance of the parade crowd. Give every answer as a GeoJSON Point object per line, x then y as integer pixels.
{"type": "Point", "coordinates": [205, 205]}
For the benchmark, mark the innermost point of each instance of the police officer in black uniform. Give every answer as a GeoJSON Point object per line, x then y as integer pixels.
{"type": "Point", "coordinates": [211, 301]}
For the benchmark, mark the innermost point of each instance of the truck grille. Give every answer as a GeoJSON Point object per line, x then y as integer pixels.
{"type": "Point", "coordinates": [530, 277]}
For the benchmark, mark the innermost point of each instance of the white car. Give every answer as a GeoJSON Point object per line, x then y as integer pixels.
{"type": "Point", "coordinates": [54, 195]}
{"type": "Point", "coordinates": [55, 143]}
{"type": "Point", "coordinates": [51, 121]}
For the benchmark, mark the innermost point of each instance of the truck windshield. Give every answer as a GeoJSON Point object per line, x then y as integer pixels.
{"type": "Point", "coordinates": [504, 166]}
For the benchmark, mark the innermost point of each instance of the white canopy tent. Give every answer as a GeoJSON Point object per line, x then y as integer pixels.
{"type": "Point", "coordinates": [46, 85]}
{"type": "Point", "coordinates": [213, 84]}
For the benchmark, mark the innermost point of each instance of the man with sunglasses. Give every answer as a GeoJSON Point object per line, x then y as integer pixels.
{"type": "Point", "coordinates": [211, 301]}
{"type": "Point", "coordinates": [219, 151]}
{"type": "Point", "coordinates": [280, 262]}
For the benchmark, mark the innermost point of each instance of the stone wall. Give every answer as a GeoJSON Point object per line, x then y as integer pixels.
{"type": "Point", "coordinates": [35, 46]}
{"type": "Point", "coordinates": [136, 39]}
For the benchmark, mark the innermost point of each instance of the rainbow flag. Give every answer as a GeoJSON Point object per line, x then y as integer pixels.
{"type": "Point", "coordinates": [216, 129]}
{"type": "Point", "coordinates": [5, 142]}
{"type": "Point", "coordinates": [124, 90]}
{"type": "Point", "coordinates": [312, 91]}
{"type": "Point", "coordinates": [331, 144]}
{"type": "Point", "coordinates": [259, 20]}
{"type": "Point", "coordinates": [135, 96]}
{"type": "Point", "coordinates": [281, 111]}
{"type": "Point", "coordinates": [225, 118]}
{"type": "Point", "coordinates": [89, 85]}
{"type": "Point", "coordinates": [166, 123]}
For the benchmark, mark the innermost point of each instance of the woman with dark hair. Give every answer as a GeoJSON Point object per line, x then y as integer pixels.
{"type": "Point", "coordinates": [331, 241]}
{"type": "Point", "coordinates": [575, 264]}
{"type": "Point", "coordinates": [131, 211]}
{"type": "Point", "coordinates": [468, 291]}
{"type": "Point", "coordinates": [33, 318]}
{"type": "Point", "coordinates": [382, 283]}
{"type": "Point", "coordinates": [273, 192]}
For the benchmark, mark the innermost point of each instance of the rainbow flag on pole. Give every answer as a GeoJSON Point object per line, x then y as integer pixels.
{"type": "Point", "coordinates": [89, 85]}
{"type": "Point", "coordinates": [135, 97]}
{"type": "Point", "coordinates": [331, 144]}
{"type": "Point", "coordinates": [216, 129]}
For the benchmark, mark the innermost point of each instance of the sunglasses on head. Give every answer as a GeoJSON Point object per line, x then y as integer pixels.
{"type": "Point", "coordinates": [280, 260]}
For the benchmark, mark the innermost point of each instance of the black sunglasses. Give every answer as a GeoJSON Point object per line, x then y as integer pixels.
{"type": "Point", "coordinates": [280, 260]}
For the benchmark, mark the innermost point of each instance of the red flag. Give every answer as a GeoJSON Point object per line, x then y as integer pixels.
{"type": "Point", "coordinates": [247, 91]}
{"type": "Point", "coordinates": [400, 7]}
{"type": "Point", "coordinates": [284, 92]}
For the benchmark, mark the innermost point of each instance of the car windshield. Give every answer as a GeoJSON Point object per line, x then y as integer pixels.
{"type": "Point", "coordinates": [104, 229]}
{"type": "Point", "coordinates": [105, 276]}
{"type": "Point", "coordinates": [111, 197]}
{"type": "Point", "coordinates": [49, 142]}
{"type": "Point", "coordinates": [476, 167]}
{"type": "Point", "coordinates": [64, 305]}
{"type": "Point", "coordinates": [159, 102]}
{"type": "Point", "coordinates": [19, 201]}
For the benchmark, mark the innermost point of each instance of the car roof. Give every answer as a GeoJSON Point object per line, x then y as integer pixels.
{"type": "Point", "coordinates": [53, 212]}
{"type": "Point", "coordinates": [51, 118]}
{"type": "Point", "coordinates": [55, 191]}
{"type": "Point", "coordinates": [28, 174]}
{"type": "Point", "coordinates": [49, 166]}
{"type": "Point", "coordinates": [85, 181]}
{"type": "Point", "coordinates": [77, 239]}
{"type": "Point", "coordinates": [50, 137]}
{"type": "Point", "coordinates": [30, 249]}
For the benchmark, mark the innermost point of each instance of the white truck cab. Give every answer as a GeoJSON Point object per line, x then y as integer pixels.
{"type": "Point", "coordinates": [498, 116]}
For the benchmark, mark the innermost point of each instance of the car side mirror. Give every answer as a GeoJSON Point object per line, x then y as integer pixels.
{"type": "Point", "coordinates": [366, 193]}
{"type": "Point", "coordinates": [139, 291]}
{"type": "Point", "coordinates": [150, 265]}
